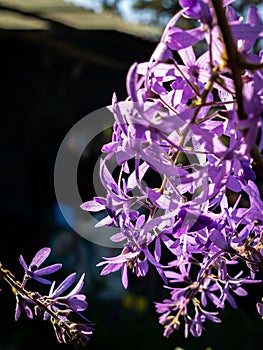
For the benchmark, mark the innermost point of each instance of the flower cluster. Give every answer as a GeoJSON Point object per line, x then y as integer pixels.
{"type": "Point", "coordinates": [55, 306]}
{"type": "Point", "coordinates": [193, 118]}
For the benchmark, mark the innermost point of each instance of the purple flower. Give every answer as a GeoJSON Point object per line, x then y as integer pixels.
{"type": "Point", "coordinates": [117, 202]}
{"type": "Point", "coordinates": [247, 33]}
{"type": "Point", "coordinates": [198, 9]}
{"type": "Point", "coordinates": [233, 285]}
{"type": "Point", "coordinates": [33, 271]}
{"type": "Point", "coordinates": [79, 333]}
{"type": "Point", "coordinates": [22, 304]}
{"type": "Point", "coordinates": [135, 260]}
{"type": "Point", "coordinates": [63, 305]}
{"type": "Point", "coordinates": [195, 324]}
{"type": "Point", "coordinates": [73, 301]}
{"type": "Point", "coordinates": [183, 275]}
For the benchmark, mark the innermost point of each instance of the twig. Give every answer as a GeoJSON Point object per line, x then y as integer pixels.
{"type": "Point", "coordinates": [237, 63]}
{"type": "Point", "coordinates": [234, 58]}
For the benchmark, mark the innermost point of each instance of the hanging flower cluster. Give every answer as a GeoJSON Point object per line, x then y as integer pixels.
{"type": "Point", "coordinates": [193, 118]}
{"type": "Point", "coordinates": [54, 306]}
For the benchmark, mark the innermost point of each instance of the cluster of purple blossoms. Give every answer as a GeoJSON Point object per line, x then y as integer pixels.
{"type": "Point", "coordinates": [193, 117]}
{"type": "Point", "coordinates": [55, 306]}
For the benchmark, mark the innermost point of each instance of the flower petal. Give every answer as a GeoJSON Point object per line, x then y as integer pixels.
{"type": "Point", "coordinates": [48, 270]}
{"type": "Point", "coordinates": [23, 263]}
{"type": "Point", "coordinates": [64, 285]}
{"type": "Point", "coordinates": [40, 256]}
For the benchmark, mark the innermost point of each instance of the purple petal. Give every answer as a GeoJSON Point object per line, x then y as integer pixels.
{"type": "Point", "coordinates": [160, 200]}
{"type": "Point", "coordinates": [247, 33]}
{"type": "Point", "coordinates": [231, 14]}
{"type": "Point", "coordinates": [178, 39]}
{"type": "Point", "coordinates": [77, 303]}
{"type": "Point", "coordinates": [110, 147]}
{"type": "Point", "coordinates": [28, 311]}
{"type": "Point", "coordinates": [107, 178]}
{"type": "Point", "coordinates": [132, 180]}
{"type": "Point", "coordinates": [122, 258]}
{"type": "Point", "coordinates": [110, 268]}
{"type": "Point", "coordinates": [162, 165]}
{"type": "Point", "coordinates": [118, 114]}
{"type": "Point", "coordinates": [131, 82]}
{"type": "Point", "coordinates": [52, 288]}
{"type": "Point", "coordinates": [106, 221]}
{"type": "Point", "coordinates": [219, 240]}
{"type": "Point", "coordinates": [240, 291]}
{"type": "Point", "coordinates": [157, 250]}
{"type": "Point", "coordinates": [152, 260]}
{"type": "Point", "coordinates": [227, 2]}
{"type": "Point", "coordinates": [41, 280]}
{"type": "Point", "coordinates": [233, 184]}
{"type": "Point", "coordinates": [161, 53]}
{"type": "Point", "coordinates": [209, 141]}
{"type": "Point", "coordinates": [260, 309]}
{"type": "Point", "coordinates": [231, 301]}
{"type": "Point", "coordinates": [92, 206]}
{"type": "Point", "coordinates": [188, 56]}
{"type": "Point", "coordinates": [78, 286]}
{"type": "Point", "coordinates": [118, 237]}
{"type": "Point", "coordinates": [211, 316]}
{"type": "Point", "coordinates": [192, 6]}
{"type": "Point", "coordinates": [64, 285]}
{"type": "Point", "coordinates": [253, 16]}
{"type": "Point", "coordinates": [124, 274]}
{"type": "Point", "coordinates": [142, 268]}
{"type": "Point", "coordinates": [23, 263]}
{"type": "Point", "coordinates": [40, 256]}
{"type": "Point", "coordinates": [48, 270]}
{"type": "Point", "coordinates": [18, 310]}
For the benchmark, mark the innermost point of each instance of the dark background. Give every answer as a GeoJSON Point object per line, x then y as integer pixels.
{"type": "Point", "coordinates": [48, 81]}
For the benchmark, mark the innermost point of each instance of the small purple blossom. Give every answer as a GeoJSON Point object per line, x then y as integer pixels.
{"type": "Point", "coordinates": [136, 260]}
{"type": "Point", "coordinates": [33, 271]}
{"type": "Point", "coordinates": [73, 301]}
{"type": "Point", "coordinates": [198, 9]}
{"type": "Point", "coordinates": [22, 304]}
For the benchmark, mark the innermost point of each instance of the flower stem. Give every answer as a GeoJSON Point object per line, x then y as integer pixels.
{"type": "Point", "coordinates": [234, 58]}
{"type": "Point", "coordinates": [17, 286]}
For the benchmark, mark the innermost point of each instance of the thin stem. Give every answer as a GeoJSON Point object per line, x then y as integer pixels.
{"type": "Point", "coordinates": [196, 287]}
{"type": "Point", "coordinates": [233, 58]}
{"type": "Point", "coordinates": [237, 64]}
{"type": "Point", "coordinates": [8, 277]}
{"type": "Point", "coordinates": [17, 286]}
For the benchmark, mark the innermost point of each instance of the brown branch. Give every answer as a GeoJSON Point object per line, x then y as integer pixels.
{"type": "Point", "coordinates": [237, 63]}
{"type": "Point", "coordinates": [234, 58]}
